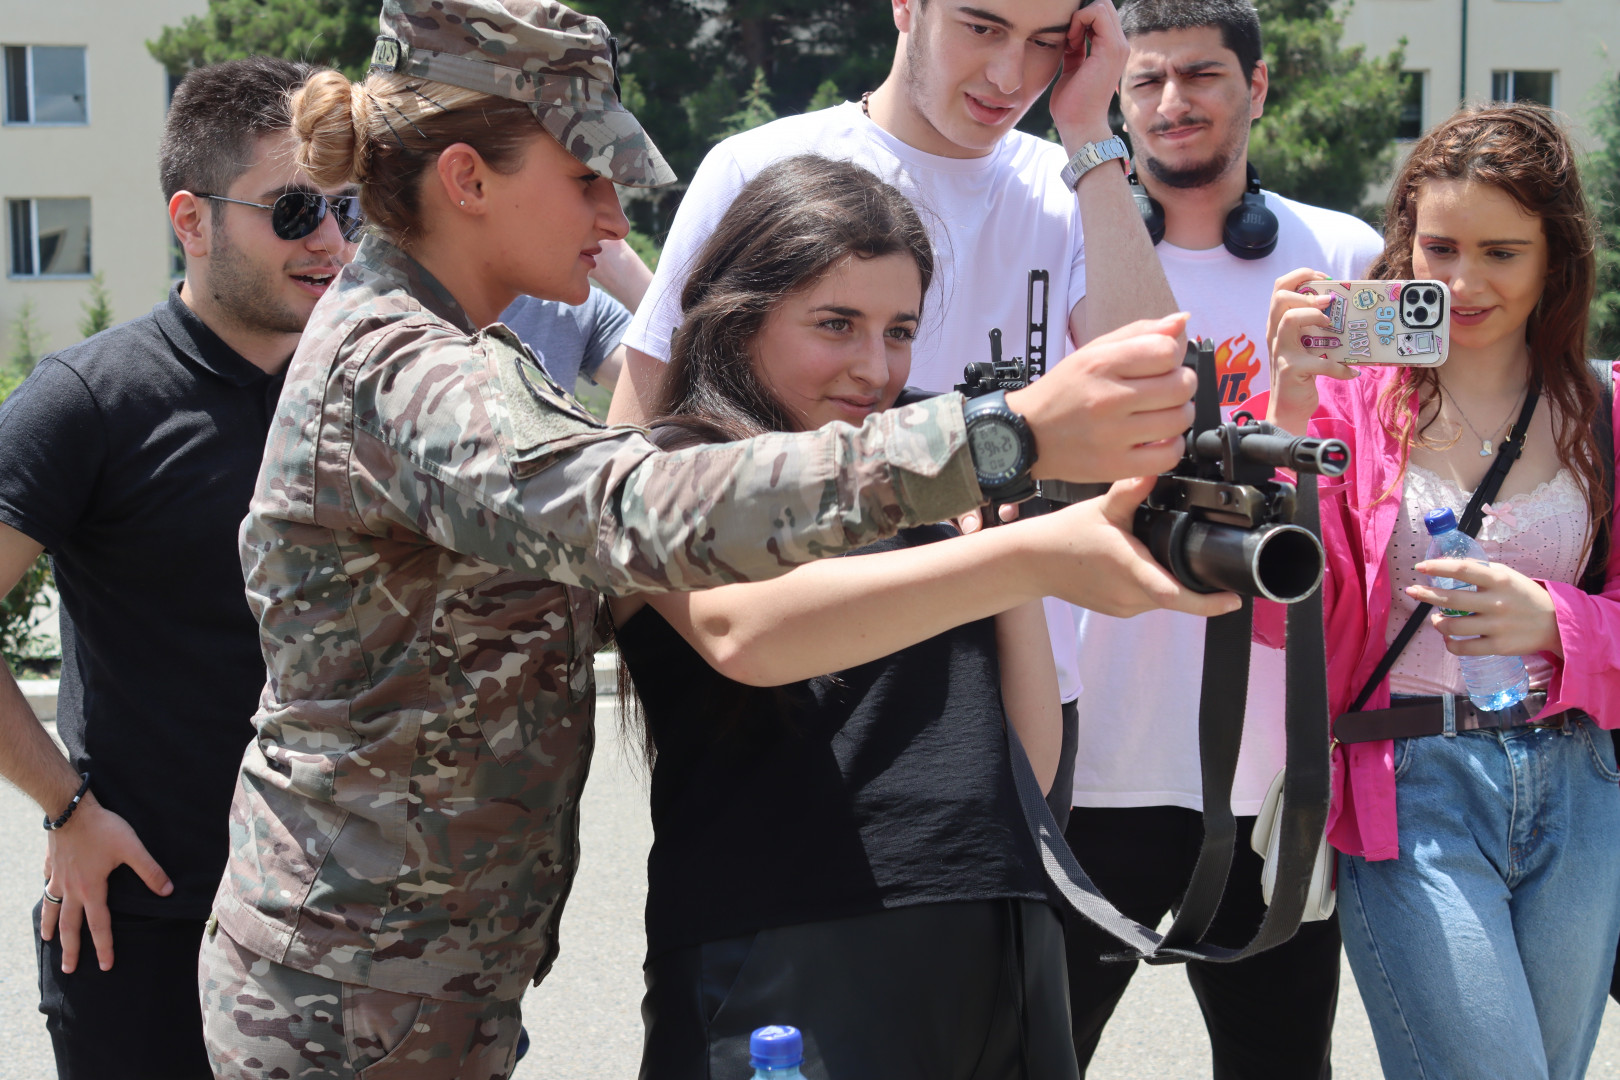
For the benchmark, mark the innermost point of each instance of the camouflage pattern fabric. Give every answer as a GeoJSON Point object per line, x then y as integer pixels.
{"type": "Point", "coordinates": [433, 524]}
{"type": "Point", "coordinates": [563, 64]}
{"type": "Point", "coordinates": [264, 1021]}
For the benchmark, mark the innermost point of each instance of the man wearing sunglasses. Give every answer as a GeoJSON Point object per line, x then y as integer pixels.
{"type": "Point", "coordinates": [130, 458]}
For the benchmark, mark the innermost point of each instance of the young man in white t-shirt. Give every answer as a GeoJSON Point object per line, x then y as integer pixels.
{"type": "Point", "coordinates": [997, 200]}
{"type": "Point", "coordinates": [1193, 83]}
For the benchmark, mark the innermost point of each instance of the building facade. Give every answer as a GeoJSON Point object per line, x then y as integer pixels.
{"type": "Point", "coordinates": [81, 115]}
{"type": "Point", "coordinates": [1557, 52]}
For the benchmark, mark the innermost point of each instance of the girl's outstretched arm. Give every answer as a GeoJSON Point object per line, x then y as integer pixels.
{"type": "Point", "coordinates": [837, 613]}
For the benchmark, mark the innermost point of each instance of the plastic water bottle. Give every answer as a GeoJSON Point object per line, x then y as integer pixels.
{"type": "Point", "coordinates": [776, 1053]}
{"type": "Point", "coordinates": [1494, 682]}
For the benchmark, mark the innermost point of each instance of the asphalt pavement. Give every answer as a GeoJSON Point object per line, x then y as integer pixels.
{"type": "Point", "coordinates": [585, 1019]}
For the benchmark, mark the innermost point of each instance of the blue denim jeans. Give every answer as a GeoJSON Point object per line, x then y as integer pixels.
{"type": "Point", "coordinates": [1485, 950]}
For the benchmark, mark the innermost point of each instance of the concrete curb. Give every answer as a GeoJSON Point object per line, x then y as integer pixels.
{"type": "Point", "coordinates": [41, 696]}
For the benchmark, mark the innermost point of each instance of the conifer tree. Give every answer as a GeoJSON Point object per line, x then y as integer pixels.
{"type": "Point", "coordinates": [1331, 114]}
{"type": "Point", "coordinates": [1601, 171]}
{"type": "Point", "coordinates": [338, 33]}
{"type": "Point", "coordinates": [98, 314]}
{"type": "Point", "coordinates": [27, 343]}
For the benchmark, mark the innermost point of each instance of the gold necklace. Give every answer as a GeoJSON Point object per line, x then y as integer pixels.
{"type": "Point", "coordinates": [1485, 443]}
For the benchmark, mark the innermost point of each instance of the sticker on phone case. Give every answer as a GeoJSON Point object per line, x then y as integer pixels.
{"type": "Point", "coordinates": [1421, 343]}
{"type": "Point", "coordinates": [1335, 315]}
{"type": "Point", "coordinates": [1365, 299]}
{"type": "Point", "coordinates": [1315, 341]}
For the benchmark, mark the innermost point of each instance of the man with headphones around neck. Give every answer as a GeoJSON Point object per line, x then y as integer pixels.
{"type": "Point", "coordinates": [1194, 81]}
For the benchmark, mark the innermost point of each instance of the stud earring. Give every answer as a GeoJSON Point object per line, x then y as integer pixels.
{"type": "Point", "coordinates": [463, 202]}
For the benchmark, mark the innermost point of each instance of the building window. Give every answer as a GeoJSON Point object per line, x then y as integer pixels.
{"type": "Point", "coordinates": [49, 237]}
{"type": "Point", "coordinates": [46, 84]}
{"type": "Point", "coordinates": [1414, 86]}
{"type": "Point", "coordinates": [1536, 86]}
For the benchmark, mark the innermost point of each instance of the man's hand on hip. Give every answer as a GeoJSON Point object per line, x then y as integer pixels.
{"type": "Point", "coordinates": [1114, 409]}
{"type": "Point", "coordinates": [78, 860]}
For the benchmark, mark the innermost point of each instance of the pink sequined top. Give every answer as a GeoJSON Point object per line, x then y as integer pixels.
{"type": "Point", "coordinates": [1540, 533]}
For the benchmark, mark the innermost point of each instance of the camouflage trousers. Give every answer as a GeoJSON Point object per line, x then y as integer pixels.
{"type": "Point", "coordinates": [266, 1021]}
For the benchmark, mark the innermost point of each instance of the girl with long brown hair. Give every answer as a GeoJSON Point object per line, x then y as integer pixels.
{"type": "Point", "coordinates": [1479, 878]}
{"type": "Point", "coordinates": [818, 837]}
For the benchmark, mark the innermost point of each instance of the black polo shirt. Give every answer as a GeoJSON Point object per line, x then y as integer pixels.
{"type": "Point", "coordinates": [131, 457]}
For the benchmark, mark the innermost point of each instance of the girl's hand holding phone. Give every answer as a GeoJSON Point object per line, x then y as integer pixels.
{"type": "Point", "coordinates": [1295, 368]}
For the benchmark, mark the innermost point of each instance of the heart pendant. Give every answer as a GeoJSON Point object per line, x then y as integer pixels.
{"type": "Point", "coordinates": [1485, 451]}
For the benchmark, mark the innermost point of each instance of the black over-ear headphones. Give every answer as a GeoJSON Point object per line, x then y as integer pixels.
{"type": "Point", "coordinates": [1250, 231]}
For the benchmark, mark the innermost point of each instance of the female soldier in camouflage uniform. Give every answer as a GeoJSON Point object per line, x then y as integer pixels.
{"type": "Point", "coordinates": [434, 523]}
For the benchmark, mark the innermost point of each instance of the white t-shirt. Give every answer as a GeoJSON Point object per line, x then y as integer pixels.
{"type": "Point", "coordinates": [992, 220]}
{"type": "Point", "coordinates": [1142, 676]}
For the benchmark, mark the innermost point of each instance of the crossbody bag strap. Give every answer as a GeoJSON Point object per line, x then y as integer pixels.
{"type": "Point", "coordinates": [1471, 517]}
{"type": "Point", "coordinates": [1597, 566]}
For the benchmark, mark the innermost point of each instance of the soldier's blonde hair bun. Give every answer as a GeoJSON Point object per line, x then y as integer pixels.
{"type": "Point", "coordinates": [386, 132]}
{"type": "Point", "coordinates": [328, 120]}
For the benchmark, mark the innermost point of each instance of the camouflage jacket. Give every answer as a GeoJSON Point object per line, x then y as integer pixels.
{"type": "Point", "coordinates": [431, 530]}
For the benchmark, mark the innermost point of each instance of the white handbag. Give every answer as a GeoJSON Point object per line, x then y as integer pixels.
{"type": "Point", "coordinates": [1321, 898]}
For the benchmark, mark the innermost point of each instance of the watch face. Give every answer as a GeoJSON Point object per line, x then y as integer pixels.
{"type": "Point", "coordinates": [995, 449]}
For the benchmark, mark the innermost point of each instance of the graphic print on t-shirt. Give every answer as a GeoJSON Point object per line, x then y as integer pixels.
{"type": "Point", "coordinates": [1237, 364]}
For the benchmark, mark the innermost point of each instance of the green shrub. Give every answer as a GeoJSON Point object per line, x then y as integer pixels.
{"type": "Point", "coordinates": [22, 646]}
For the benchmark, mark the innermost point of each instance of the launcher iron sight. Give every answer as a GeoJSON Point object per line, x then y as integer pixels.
{"type": "Point", "coordinates": [986, 377]}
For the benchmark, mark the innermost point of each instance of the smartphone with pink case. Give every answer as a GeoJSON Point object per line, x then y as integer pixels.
{"type": "Point", "coordinates": [1381, 322]}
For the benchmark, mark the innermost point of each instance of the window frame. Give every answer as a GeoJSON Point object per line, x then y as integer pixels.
{"type": "Point", "coordinates": [33, 236]}
{"type": "Point", "coordinates": [1422, 76]}
{"type": "Point", "coordinates": [1513, 79]}
{"type": "Point", "coordinates": [28, 79]}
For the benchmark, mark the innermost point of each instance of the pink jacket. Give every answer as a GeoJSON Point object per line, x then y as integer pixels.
{"type": "Point", "coordinates": [1356, 532]}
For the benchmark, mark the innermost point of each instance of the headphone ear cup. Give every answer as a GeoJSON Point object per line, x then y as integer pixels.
{"type": "Point", "coordinates": [1251, 228]}
{"type": "Point", "coordinates": [1152, 213]}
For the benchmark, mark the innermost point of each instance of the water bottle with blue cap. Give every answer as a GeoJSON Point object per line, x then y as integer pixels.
{"type": "Point", "coordinates": [1494, 682]}
{"type": "Point", "coordinates": [776, 1053]}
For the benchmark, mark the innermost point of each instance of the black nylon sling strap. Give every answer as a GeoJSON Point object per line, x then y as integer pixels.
{"type": "Point", "coordinates": [1306, 789]}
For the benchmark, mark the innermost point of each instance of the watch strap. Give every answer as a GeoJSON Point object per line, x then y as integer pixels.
{"type": "Point", "coordinates": [1091, 155]}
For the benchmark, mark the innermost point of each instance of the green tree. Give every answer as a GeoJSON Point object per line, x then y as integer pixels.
{"type": "Point", "coordinates": [826, 96]}
{"type": "Point", "coordinates": [22, 610]}
{"type": "Point", "coordinates": [338, 33]}
{"type": "Point", "coordinates": [1602, 173]}
{"type": "Point", "coordinates": [753, 110]}
{"type": "Point", "coordinates": [98, 314]}
{"type": "Point", "coordinates": [27, 343]}
{"type": "Point", "coordinates": [1329, 125]}
{"type": "Point", "coordinates": [690, 69]}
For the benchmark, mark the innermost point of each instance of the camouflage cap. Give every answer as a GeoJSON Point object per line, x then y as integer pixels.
{"type": "Point", "coordinates": [563, 65]}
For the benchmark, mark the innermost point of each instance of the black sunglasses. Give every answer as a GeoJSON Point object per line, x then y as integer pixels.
{"type": "Point", "coordinates": [298, 213]}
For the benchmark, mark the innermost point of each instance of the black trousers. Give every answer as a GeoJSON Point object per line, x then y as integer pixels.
{"type": "Point", "coordinates": [973, 990]}
{"type": "Point", "coordinates": [139, 1021]}
{"type": "Point", "coordinates": [1270, 1017]}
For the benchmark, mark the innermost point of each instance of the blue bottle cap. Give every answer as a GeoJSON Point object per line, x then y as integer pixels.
{"type": "Point", "coordinates": [1439, 521]}
{"type": "Point", "coordinates": [776, 1047]}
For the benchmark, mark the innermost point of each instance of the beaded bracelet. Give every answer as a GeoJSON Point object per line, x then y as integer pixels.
{"type": "Point", "coordinates": [84, 786]}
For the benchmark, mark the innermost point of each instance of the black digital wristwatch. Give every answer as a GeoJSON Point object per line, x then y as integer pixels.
{"type": "Point", "coordinates": [1002, 447]}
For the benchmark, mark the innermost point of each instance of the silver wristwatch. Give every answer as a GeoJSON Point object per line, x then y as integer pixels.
{"type": "Point", "coordinates": [1092, 155]}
